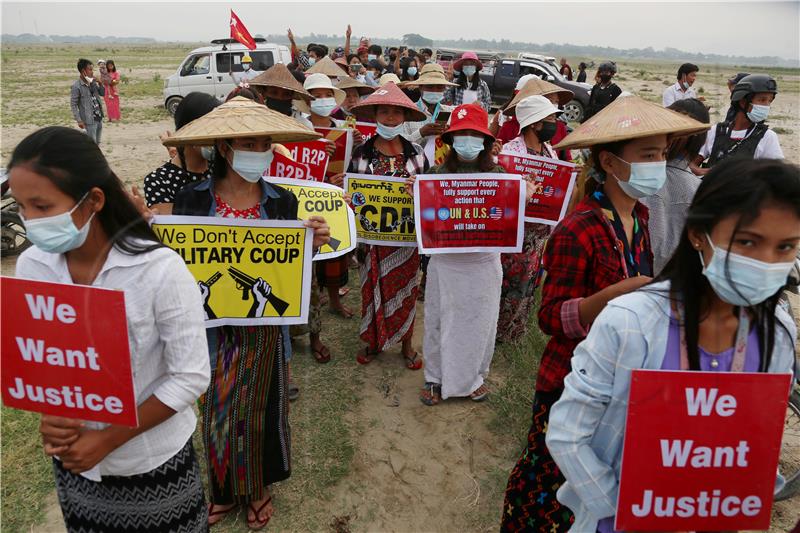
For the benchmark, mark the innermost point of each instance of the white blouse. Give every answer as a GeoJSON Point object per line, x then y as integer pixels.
{"type": "Point", "coordinates": [167, 338]}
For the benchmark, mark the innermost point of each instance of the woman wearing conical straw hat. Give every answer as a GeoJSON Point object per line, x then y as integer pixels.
{"type": "Point", "coordinates": [599, 251]}
{"type": "Point", "coordinates": [388, 273]}
{"type": "Point", "coordinates": [247, 443]}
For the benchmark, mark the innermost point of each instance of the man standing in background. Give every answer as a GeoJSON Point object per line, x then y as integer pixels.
{"type": "Point", "coordinates": [682, 89]}
{"type": "Point", "coordinates": [85, 101]}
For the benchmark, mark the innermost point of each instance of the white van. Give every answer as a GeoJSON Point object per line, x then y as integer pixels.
{"type": "Point", "coordinates": [211, 69]}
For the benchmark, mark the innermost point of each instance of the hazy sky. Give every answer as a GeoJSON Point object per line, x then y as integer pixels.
{"type": "Point", "coordinates": [740, 28]}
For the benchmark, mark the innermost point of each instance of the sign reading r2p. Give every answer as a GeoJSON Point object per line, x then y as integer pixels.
{"type": "Point", "coordinates": [65, 351]}
{"type": "Point", "coordinates": [701, 450]}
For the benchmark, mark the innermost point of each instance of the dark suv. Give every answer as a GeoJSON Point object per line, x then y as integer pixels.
{"type": "Point", "coordinates": [508, 71]}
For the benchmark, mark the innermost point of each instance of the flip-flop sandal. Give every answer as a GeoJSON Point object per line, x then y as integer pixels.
{"type": "Point", "coordinates": [431, 394]}
{"type": "Point", "coordinates": [414, 362]}
{"type": "Point", "coordinates": [220, 513]}
{"type": "Point", "coordinates": [479, 394]}
{"type": "Point", "coordinates": [257, 525]}
{"type": "Point", "coordinates": [322, 355]}
{"type": "Point", "coordinates": [365, 357]}
{"type": "Point", "coordinates": [294, 391]}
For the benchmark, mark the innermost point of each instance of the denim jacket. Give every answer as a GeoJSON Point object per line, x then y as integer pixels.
{"type": "Point", "coordinates": [587, 425]}
{"type": "Point", "coordinates": [277, 203]}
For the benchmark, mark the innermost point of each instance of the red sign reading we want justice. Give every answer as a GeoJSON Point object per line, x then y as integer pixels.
{"type": "Point", "coordinates": [65, 351]}
{"type": "Point", "coordinates": [459, 213]}
{"type": "Point", "coordinates": [701, 450]}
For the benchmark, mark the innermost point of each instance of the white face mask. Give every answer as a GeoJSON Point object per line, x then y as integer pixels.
{"type": "Point", "coordinates": [246, 66]}
{"type": "Point", "coordinates": [323, 106]}
{"type": "Point", "coordinates": [251, 165]}
{"type": "Point", "coordinates": [88, 79]}
{"type": "Point", "coordinates": [57, 234]}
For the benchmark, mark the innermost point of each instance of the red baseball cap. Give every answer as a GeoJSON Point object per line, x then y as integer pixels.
{"type": "Point", "coordinates": [471, 117]}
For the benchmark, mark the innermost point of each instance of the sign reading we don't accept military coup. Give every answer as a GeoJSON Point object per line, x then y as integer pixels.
{"type": "Point", "coordinates": [249, 272]}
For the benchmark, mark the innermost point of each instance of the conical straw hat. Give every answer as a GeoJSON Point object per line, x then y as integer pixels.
{"type": "Point", "coordinates": [326, 66]}
{"type": "Point", "coordinates": [432, 77]}
{"type": "Point", "coordinates": [279, 76]}
{"type": "Point", "coordinates": [535, 87]}
{"type": "Point", "coordinates": [630, 117]}
{"type": "Point", "coordinates": [390, 94]}
{"type": "Point", "coordinates": [350, 83]}
{"type": "Point", "coordinates": [241, 117]}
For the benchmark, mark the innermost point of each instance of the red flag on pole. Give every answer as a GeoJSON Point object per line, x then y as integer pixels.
{"type": "Point", "coordinates": [240, 33]}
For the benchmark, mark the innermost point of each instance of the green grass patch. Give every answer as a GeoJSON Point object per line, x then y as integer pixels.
{"type": "Point", "coordinates": [27, 475]}
{"type": "Point", "coordinates": [783, 131]}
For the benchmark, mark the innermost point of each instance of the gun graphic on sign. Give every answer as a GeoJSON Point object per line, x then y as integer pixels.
{"type": "Point", "coordinates": [246, 283]}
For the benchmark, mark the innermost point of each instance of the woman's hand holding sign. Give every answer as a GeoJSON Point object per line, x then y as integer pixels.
{"type": "Point", "coordinates": [58, 433]}
{"type": "Point", "coordinates": [322, 232]}
{"type": "Point", "coordinates": [410, 181]}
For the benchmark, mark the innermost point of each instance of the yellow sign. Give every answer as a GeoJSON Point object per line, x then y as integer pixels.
{"type": "Point", "coordinates": [326, 200]}
{"type": "Point", "coordinates": [249, 272]}
{"type": "Point", "coordinates": [384, 211]}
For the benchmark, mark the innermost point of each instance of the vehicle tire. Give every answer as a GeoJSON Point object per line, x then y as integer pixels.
{"type": "Point", "coordinates": [573, 111]}
{"type": "Point", "coordinates": [13, 240]}
{"type": "Point", "coordinates": [172, 104]}
{"type": "Point", "coordinates": [789, 461]}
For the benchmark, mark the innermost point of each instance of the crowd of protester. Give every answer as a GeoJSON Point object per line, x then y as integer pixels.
{"type": "Point", "coordinates": [679, 233]}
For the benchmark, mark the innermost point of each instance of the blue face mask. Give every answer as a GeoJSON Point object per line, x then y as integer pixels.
{"type": "Point", "coordinates": [207, 152]}
{"type": "Point", "coordinates": [311, 61]}
{"type": "Point", "coordinates": [389, 132]}
{"type": "Point", "coordinates": [469, 70]}
{"type": "Point", "coordinates": [251, 165]}
{"type": "Point", "coordinates": [646, 179]}
{"type": "Point", "coordinates": [468, 147]}
{"type": "Point", "coordinates": [323, 106]}
{"type": "Point", "coordinates": [412, 71]}
{"type": "Point", "coordinates": [751, 281]}
{"type": "Point", "coordinates": [432, 97]}
{"type": "Point", "coordinates": [371, 57]}
{"type": "Point", "coordinates": [57, 234]}
{"type": "Point", "coordinates": [759, 113]}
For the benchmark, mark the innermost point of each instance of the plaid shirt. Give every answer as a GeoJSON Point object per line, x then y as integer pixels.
{"type": "Point", "coordinates": [582, 257]}
{"type": "Point", "coordinates": [455, 96]}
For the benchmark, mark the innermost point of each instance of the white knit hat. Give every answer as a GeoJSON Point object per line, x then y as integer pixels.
{"type": "Point", "coordinates": [533, 109]}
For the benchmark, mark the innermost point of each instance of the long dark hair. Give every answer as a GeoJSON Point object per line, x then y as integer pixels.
{"type": "Point", "coordinates": [74, 163]}
{"type": "Point", "coordinates": [733, 187]}
{"type": "Point", "coordinates": [110, 63]}
{"type": "Point", "coordinates": [193, 106]}
{"type": "Point", "coordinates": [593, 175]}
{"type": "Point", "coordinates": [461, 80]}
{"type": "Point", "coordinates": [689, 147]}
{"type": "Point", "coordinates": [485, 159]}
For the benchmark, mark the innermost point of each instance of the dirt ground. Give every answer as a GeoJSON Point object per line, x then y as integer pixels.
{"type": "Point", "coordinates": [414, 468]}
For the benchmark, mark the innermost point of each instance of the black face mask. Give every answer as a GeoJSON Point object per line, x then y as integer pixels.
{"type": "Point", "coordinates": [605, 78]}
{"type": "Point", "coordinates": [281, 106]}
{"type": "Point", "coordinates": [547, 132]}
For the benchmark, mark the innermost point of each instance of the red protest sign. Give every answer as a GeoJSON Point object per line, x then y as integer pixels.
{"type": "Point", "coordinates": [313, 155]}
{"type": "Point", "coordinates": [367, 129]}
{"type": "Point", "coordinates": [343, 138]}
{"type": "Point", "coordinates": [65, 351]}
{"type": "Point", "coordinates": [457, 213]}
{"type": "Point", "coordinates": [555, 180]}
{"type": "Point", "coordinates": [701, 450]}
{"type": "Point", "coordinates": [285, 167]}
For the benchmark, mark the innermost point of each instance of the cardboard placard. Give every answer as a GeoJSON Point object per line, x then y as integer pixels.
{"type": "Point", "coordinates": [249, 272]}
{"type": "Point", "coordinates": [65, 351]}
{"type": "Point", "coordinates": [459, 213]}
{"type": "Point", "coordinates": [554, 179]}
{"type": "Point", "coordinates": [701, 450]}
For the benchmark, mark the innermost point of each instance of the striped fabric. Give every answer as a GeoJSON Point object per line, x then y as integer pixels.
{"type": "Point", "coordinates": [245, 417]}
{"type": "Point", "coordinates": [166, 499]}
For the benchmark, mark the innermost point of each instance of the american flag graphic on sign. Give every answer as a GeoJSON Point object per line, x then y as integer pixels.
{"type": "Point", "coordinates": [495, 213]}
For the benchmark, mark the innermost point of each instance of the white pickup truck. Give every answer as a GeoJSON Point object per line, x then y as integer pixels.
{"type": "Point", "coordinates": [211, 69]}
